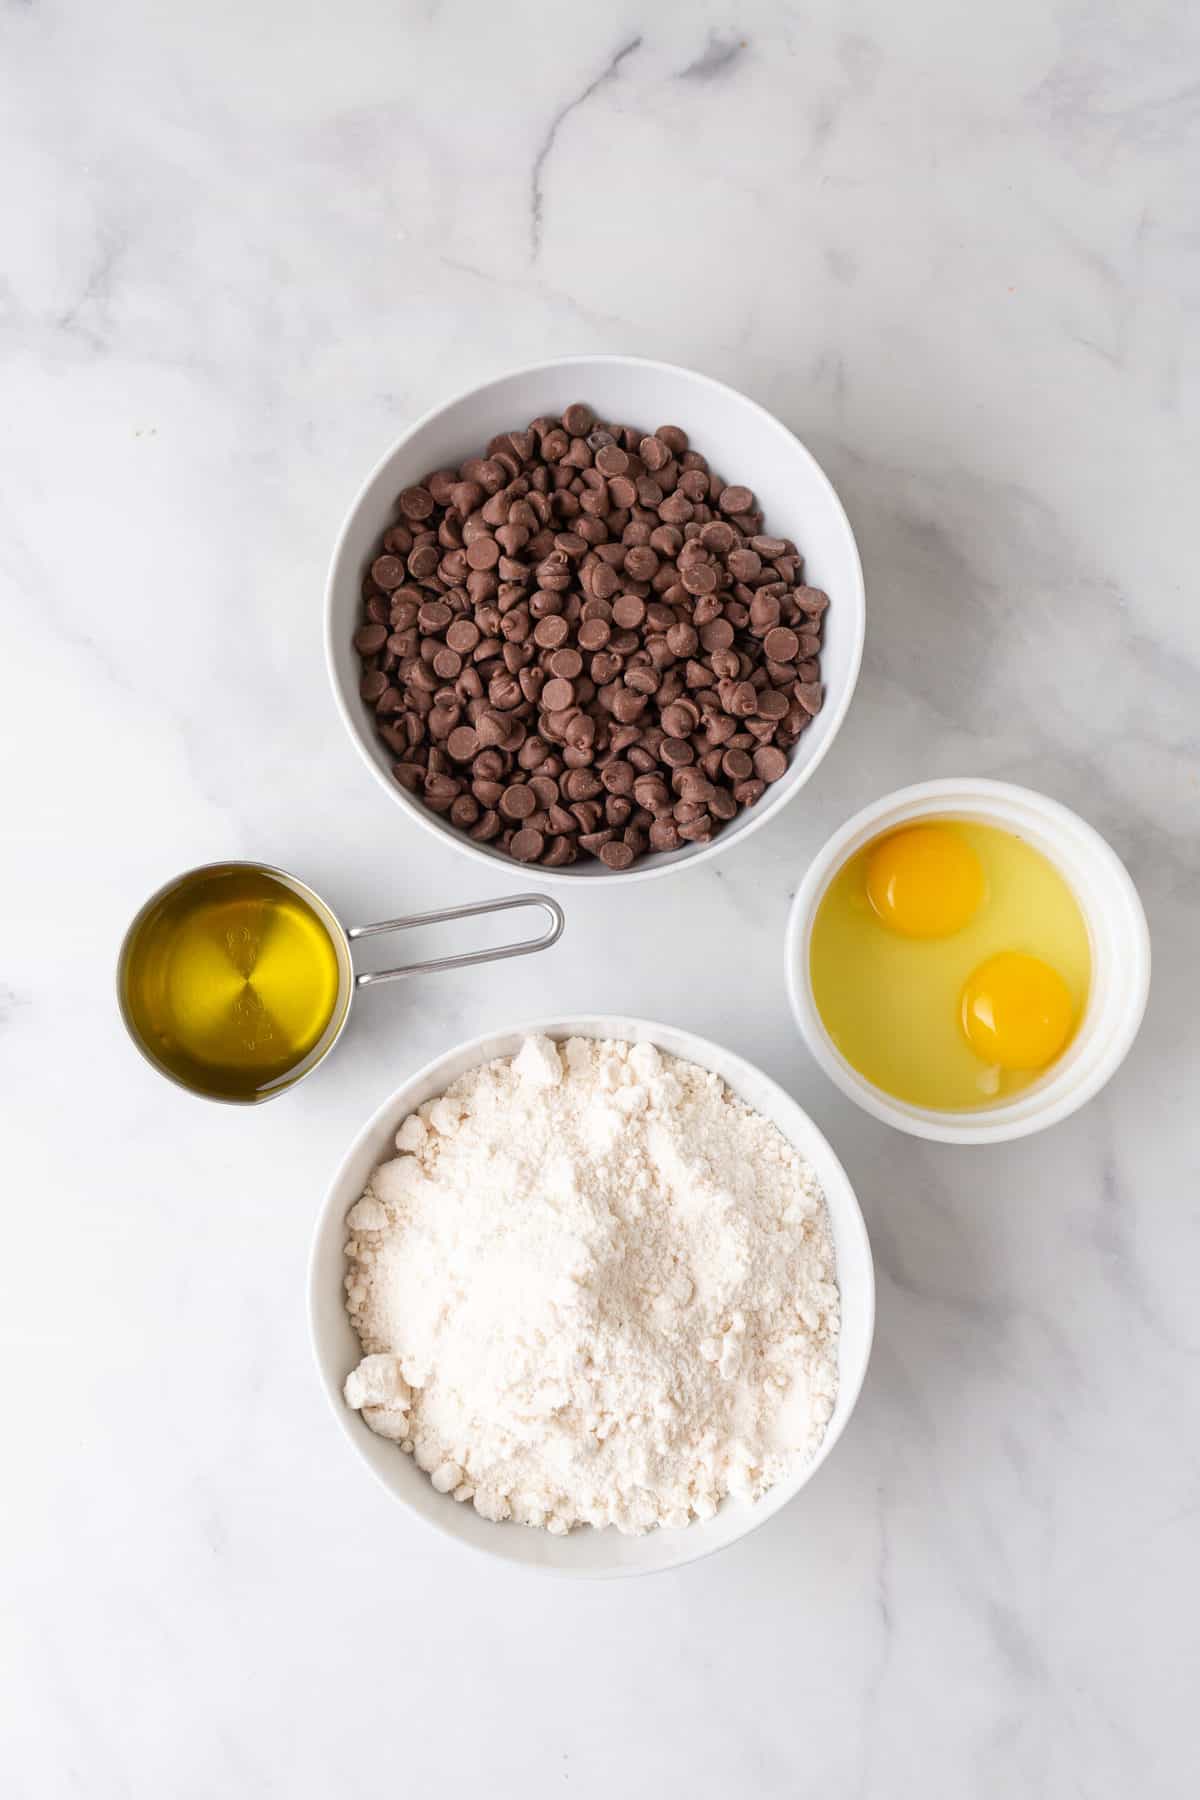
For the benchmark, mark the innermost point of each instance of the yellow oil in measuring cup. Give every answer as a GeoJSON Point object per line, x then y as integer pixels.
{"type": "Point", "coordinates": [232, 982]}
{"type": "Point", "coordinates": [235, 979]}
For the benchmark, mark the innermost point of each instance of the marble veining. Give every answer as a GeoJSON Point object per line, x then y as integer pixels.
{"type": "Point", "coordinates": [536, 200]}
{"type": "Point", "coordinates": [243, 246]}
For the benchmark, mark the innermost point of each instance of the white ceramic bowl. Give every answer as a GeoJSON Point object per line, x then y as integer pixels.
{"type": "Point", "coordinates": [1120, 946]}
{"type": "Point", "coordinates": [583, 1552]}
{"type": "Point", "coordinates": [742, 439]}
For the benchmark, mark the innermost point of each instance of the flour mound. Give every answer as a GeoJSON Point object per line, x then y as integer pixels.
{"type": "Point", "coordinates": [594, 1288]}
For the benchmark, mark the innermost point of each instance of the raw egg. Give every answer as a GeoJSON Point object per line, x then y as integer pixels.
{"type": "Point", "coordinates": [1017, 1011]}
{"type": "Point", "coordinates": [925, 882]}
{"type": "Point", "coordinates": [950, 963]}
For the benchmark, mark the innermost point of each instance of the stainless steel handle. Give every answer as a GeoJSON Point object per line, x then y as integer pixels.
{"type": "Point", "coordinates": [523, 947]}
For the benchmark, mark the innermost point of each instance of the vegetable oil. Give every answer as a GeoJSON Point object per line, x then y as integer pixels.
{"type": "Point", "coordinates": [233, 983]}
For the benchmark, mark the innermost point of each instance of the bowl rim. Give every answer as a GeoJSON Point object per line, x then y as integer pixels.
{"type": "Point", "coordinates": [770, 804]}
{"type": "Point", "coordinates": [561, 1026]}
{"type": "Point", "coordinates": [983, 795]}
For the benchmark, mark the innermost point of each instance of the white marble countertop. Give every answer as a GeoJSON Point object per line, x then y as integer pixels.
{"type": "Point", "coordinates": [243, 245]}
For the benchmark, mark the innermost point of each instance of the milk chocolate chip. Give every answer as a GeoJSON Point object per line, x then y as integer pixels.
{"type": "Point", "coordinates": [583, 643]}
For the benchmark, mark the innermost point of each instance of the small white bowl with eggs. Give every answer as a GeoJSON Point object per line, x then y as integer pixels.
{"type": "Point", "coordinates": [1117, 931]}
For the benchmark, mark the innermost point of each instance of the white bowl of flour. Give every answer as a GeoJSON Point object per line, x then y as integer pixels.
{"type": "Point", "coordinates": [617, 1311]}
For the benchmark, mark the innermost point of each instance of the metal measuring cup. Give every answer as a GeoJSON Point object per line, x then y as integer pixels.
{"type": "Point", "coordinates": [341, 937]}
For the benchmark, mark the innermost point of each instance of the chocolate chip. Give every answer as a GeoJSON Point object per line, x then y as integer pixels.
{"type": "Point", "coordinates": [462, 635]}
{"type": "Point", "coordinates": [422, 561]}
{"type": "Point", "coordinates": [594, 634]}
{"type": "Point", "coordinates": [533, 753]}
{"type": "Point", "coordinates": [483, 553]}
{"type": "Point", "coordinates": [611, 460]}
{"type": "Point", "coordinates": [676, 509]}
{"type": "Point", "coordinates": [388, 571]}
{"type": "Point", "coordinates": [628, 612]}
{"type": "Point", "coordinates": [700, 578]}
{"type": "Point", "coordinates": [518, 801]}
{"type": "Point", "coordinates": [781, 644]}
{"type": "Point", "coordinates": [440, 791]}
{"type": "Point", "coordinates": [680, 718]}
{"type": "Point", "coordinates": [764, 615]}
{"type": "Point", "coordinates": [462, 743]}
{"type": "Point", "coordinates": [654, 453]}
{"type": "Point", "coordinates": [565, 663]}
{"type": "Point", "coordinates": [618, 777]}
{"type": "Point", "coordinates": [551, 631]}
{"type": "Point", "coordinates": [641, 562]}
{"type": "Point", "coordinates": [772, 705]}
{"type": "Point", "coordinates": [718, 536]}
{"type": "Point", "coordinates": [433, 616]}
{"type": "Point", "coordinates": [643, 679]}
{"type": "Point", "coordinates": [691, 784]}
{"type": "Point", "coordinates": [628, 706]}
{"type": "Point", "coordinates": [568, 653]}
{"type": "Point", "coordinates": [580, 784]}
{"type": "Point", "coordinates": [578, 419]}
{"type": "Point", "coordinates": [812, 601]}
{"type": "Point", "coordinates": [682, 640]}
{"type": "Point", "coordinates": [527, 845]}
{"type": "Point", "coordinates": [490, 727]}
{"type": "Point", "coordinates": [603, 582]}
{"type": "Point", "coordinates": [416, 503]}
{"type": "Point", "coordinates": [717, 635]}
{"type": "Point", "coordinates": [744, 565]}
{"type": "Point", "coordinates": [769, 763]}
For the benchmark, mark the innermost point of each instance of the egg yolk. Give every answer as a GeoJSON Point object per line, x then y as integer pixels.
{"type": "Point", "coordinates": [925, 882]}
{"type": "Point", "coordinates": [1017, 1011]}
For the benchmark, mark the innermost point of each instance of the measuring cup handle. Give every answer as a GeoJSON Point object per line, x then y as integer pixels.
{"type": "Point", "coordinates": [523, 947]}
